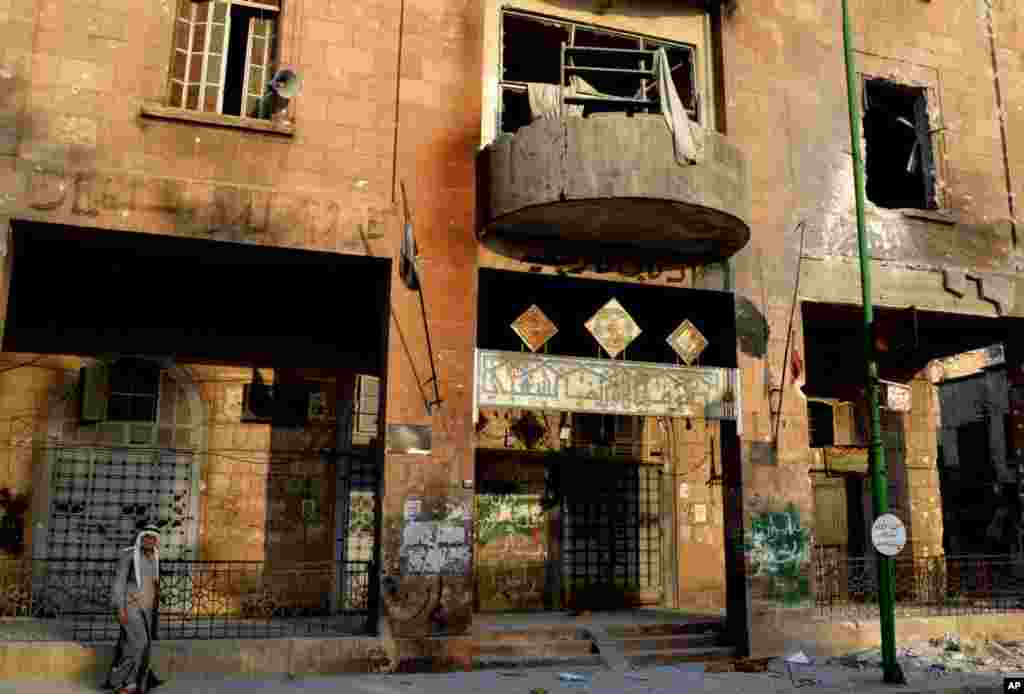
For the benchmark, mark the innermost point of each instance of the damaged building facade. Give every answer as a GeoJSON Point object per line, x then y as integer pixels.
{"type": "Point", "coordinates": [498, 305]}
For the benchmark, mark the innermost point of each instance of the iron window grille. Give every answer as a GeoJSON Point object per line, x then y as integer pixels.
{"type": "Point", "coordinates": [532, 51]}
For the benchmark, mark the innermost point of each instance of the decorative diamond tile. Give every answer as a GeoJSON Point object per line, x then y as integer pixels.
{"type": "Point", "coordinates": [687, 341]}
{"type": "Point", "coordinates": [534, 328]}
{"type": "Point", "coordinates": [613, 328]}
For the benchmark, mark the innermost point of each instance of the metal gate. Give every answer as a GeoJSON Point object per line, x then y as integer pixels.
{"type": "Point", "coordinates": [612, 530]}
{"type": "Point", "coordinates": [99, 499]}
{"type": "Point", "coordinates": [102, 496]}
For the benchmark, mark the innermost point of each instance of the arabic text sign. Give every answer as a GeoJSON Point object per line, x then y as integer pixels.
{"type": "Point", "coordinates": [888, 534]}
{"type": "Point", "coordinates": [604, 386]}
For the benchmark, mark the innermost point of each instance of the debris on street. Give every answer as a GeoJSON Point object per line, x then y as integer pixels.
{"type": "Point", "coordinates": [941, 656]}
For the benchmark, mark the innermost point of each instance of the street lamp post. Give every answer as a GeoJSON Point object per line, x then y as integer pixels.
{"type": "Point", "coordinates": [892, 673]}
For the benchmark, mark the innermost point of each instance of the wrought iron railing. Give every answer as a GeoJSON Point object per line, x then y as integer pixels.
{"type": "Point", "coordinates": [70, 599]}
{"type": "Point", "coordinates": [847, 587]}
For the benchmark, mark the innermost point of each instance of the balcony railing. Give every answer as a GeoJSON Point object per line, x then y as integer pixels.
{"type": "Point", "coordinates": [847, 587]}
{"type": "Point", "coordinates": [67, 600]}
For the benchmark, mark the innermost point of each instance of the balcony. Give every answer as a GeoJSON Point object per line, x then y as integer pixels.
{"type": "Point", "coordinates": [607, 189]}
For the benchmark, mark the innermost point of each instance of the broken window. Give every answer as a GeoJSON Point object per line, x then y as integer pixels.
{"type": "Point", "coordinates": [900, 165]}
{"type": "Point", "coordinates": [134, 389]}
{"type": "Point", "coordinates": [225, 52]}
{"type": "Point", "coordinates": [617, 65]}
{"type": "Point", "coordinates": [821, 428]}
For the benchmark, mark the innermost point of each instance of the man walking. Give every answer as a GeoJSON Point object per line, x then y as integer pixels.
{"type": "Point", "coordinates": [135, 598]}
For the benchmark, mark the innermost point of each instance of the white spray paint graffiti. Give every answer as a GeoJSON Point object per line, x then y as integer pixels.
{"type": "Point", "coordinates": [437, 546]}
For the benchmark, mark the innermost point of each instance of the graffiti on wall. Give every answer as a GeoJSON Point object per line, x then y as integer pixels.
{"type": "Point", "coordinates": [511, 547]}
{"type": "Point", "coordinates": [436, 543]}
{"type": "Point", "coordinates": [778, 549]}
{"type": "Point", "coordinates": [501, 516]}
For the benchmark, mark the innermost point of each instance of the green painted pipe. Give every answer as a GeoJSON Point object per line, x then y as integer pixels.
{"type": "Point", "coordinates": [892, 673]}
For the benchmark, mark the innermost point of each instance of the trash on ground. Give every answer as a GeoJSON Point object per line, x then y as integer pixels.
{"type": "Point", "coordinates": [799, 657]}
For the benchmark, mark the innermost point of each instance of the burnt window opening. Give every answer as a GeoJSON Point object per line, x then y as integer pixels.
{"type": "Point", "coordinates": [125, 391]}
{"type": "Point", "coordinates": [900, 164]}
{"type": "Point", "coordinates": [225, 53]}
{"type": "Point", "coordinates": [134, 389]}
{"type": "Point", "coordinates": [531, 52]}
{"type": "Point", "coordinates": [820, 424]}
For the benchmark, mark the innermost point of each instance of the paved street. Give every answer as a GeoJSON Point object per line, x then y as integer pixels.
{"type": "Point", "coordinates": [647, 681]}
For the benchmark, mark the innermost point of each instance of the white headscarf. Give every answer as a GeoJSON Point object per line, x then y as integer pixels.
{"type": "Point", "coordinates": [137, 552]}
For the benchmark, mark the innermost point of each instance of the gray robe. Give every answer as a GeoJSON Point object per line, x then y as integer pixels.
{"type": "Point", "coordinates": [131, 660]}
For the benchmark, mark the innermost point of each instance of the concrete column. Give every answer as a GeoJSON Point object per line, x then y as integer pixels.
{"type": "Point", "coordinates": [924, 500]}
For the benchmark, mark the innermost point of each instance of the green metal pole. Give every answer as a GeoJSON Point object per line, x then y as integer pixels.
{"type": "Point", "coordinates": [892, 673]}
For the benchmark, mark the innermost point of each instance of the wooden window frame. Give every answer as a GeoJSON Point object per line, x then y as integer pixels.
{"type": "Point", "coordinates": [272, 51]}
{"type": "Point", "coordinates": [360, 432]}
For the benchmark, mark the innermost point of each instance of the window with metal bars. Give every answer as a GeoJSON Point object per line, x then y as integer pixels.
{"type": "Point", "coordinates": [101, 497]}
{"type": "Point", "coordinates": [134, 388]}
{"type": "Point", "coordinates": [125, 391]}
{"type": "Point", "coordinates": [225, 52]}
{"type": "Point", "coordinates": [612, 529]}
{"type": "Point", "coordinates": [616, 435]}
{"type": "Point", "coordinates": [531, 53]}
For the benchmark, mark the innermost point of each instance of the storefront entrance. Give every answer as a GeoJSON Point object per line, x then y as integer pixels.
{"type": "Point", "coordinates": [575, 466]}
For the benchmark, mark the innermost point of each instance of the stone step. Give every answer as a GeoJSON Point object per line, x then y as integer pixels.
{"type": "Point", "coordinates": [530, 635]}
{"type": "Point", "coordinates": [535, 648]}
{"type": "Point", "coordinates": [636, 644]}
{"type": "Point", "coordinates": [667, 629]}
{"type": "Point", "coordinates": [498, 662]}
{"type": "Point", "coordinates": [686, 655]}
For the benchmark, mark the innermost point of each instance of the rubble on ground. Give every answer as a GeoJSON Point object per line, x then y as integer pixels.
{"type": "Point", "coordinates": [944, 655]}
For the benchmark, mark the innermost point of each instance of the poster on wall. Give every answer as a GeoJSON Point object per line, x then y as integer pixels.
{"type": "Point", "coordinates": [436, 543]}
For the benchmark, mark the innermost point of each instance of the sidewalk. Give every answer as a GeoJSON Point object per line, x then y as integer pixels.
{"type": "Point", "coordinates": [664, 680]}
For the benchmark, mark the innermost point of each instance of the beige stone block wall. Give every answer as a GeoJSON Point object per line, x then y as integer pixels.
{"type": "Point", "coordinates": [924, 495]}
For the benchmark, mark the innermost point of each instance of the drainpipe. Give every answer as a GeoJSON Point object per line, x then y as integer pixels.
{"type": "Point", "coordinates": [892, 673]}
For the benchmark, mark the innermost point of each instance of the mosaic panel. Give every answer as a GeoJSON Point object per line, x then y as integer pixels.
{"type": "Point", "coordinates": [613, 328]}
{"type": "Point", "coordinates": [545, 382]}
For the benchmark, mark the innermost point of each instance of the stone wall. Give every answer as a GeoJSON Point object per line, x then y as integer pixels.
{"type": "Point", "coordinates": [924, 507]}
{"type": "Point", "coordinates": [79, 145]}
{"type": "Point", "coordinates": [75, 149]}
{"type": "Point", "coordinates": [246, 511]}
{"type": "Point", "coordinates": [696, 512]}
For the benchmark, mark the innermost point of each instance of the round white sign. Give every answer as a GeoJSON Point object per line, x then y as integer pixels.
{"type": "Point", "coordinates": [888, 534]}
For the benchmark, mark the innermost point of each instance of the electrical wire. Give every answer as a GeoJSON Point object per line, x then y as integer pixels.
{"type": "Point", "coordinates": [802, 227]}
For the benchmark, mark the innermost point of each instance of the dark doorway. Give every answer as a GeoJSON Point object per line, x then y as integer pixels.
{"type": "Point", "coordinates": [612, 533]}
{"type": "Point", "coordinates": [855, 515]}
